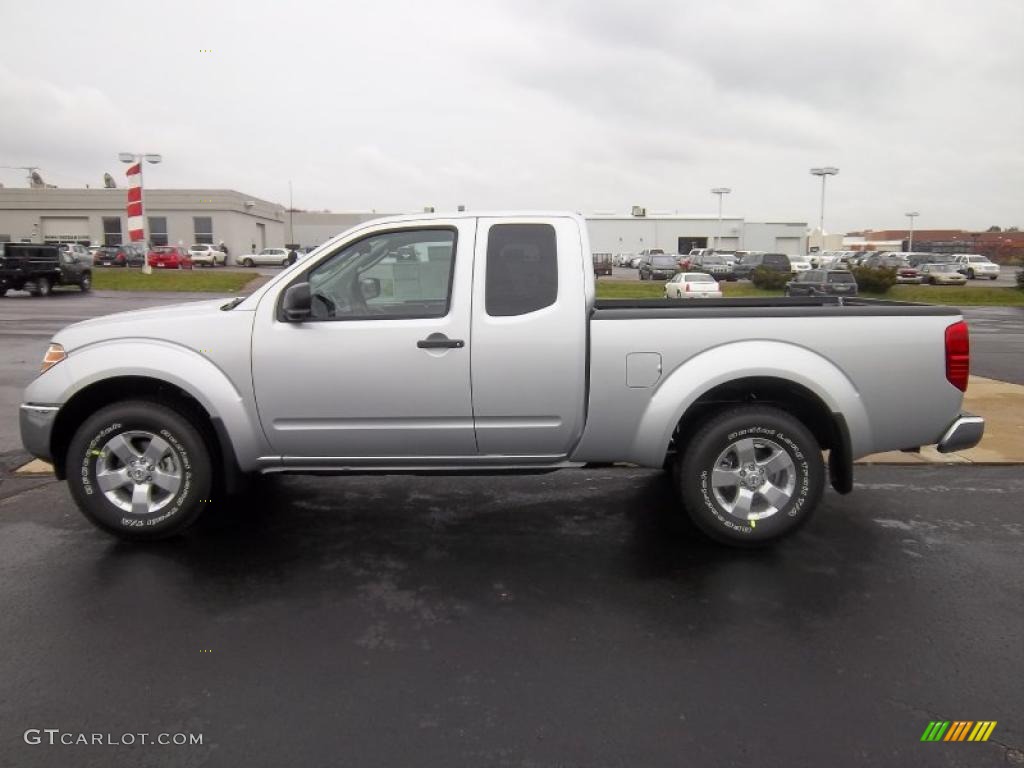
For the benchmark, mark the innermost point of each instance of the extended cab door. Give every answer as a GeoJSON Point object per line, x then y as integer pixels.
{"type": "Point", "coordinates": [530, 335]}
{"type": "Point", "coordinates": [382, 369]}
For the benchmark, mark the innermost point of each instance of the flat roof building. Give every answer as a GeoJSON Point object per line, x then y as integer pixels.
{"type": "Point", "coordinates": [186, 216]}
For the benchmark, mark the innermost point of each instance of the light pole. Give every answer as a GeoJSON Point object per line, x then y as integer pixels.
{"type": "Point", "coordinates": [291, 208]}
{"type": "Point", "coordinates": [824, 173]}
{"type": "Point", "coordinates": [911, 215]}
{"type": "Point", "coordinates": [721, 192]}
{"type": "Point", "coordinates": [138, 157]}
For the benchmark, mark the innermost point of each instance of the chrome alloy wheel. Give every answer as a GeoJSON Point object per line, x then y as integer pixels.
{"type": "Point", "coordinates": [753, 478]}
{"type": "Point", "coordinates": [138, 472]}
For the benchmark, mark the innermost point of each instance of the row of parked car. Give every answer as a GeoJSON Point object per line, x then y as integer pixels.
{"type": "Point", "coordinates": [917, 267]}
{"type": "Point", "coordinates": [177, 256]}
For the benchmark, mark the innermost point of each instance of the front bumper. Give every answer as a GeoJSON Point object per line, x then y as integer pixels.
{"type": "Point", "coordinates": [966, 432]}
{"type": "Point", "coordinates": [36, 423]}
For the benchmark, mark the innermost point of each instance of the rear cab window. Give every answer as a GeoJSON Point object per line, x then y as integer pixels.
{"type": "Point", "coordinates": [522, 269]}
{"type": "Point", "coordinates": [840, 277]}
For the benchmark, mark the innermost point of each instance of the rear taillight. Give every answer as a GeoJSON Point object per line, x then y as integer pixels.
{"type": "Point", "coordinates": [958, 355]}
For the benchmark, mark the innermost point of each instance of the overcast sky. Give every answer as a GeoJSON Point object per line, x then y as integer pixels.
{"type": "Point", "coordinates": [575, 104]}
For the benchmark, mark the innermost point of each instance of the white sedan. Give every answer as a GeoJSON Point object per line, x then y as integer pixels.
{"type": "Point", "coordinates": [799, 263]}
{"type": "Point", "coordinates": [207, 255]}
{"type": "Point", "coordinates": [268, 256]}
{"type": "Point", "coordinates": [692, 285]}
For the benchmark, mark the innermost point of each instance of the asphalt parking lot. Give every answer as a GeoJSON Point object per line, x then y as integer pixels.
{"type": "Point", "coordinates": [572, 619]}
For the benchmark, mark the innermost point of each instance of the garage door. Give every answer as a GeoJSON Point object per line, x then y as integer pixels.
{"type": "Point", "coordinates": [61, 229]}
{"type": "Point", "coordinates": [788, 245]}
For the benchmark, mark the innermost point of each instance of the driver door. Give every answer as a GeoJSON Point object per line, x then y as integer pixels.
{"type": "Point", "coordinates": [381, 369]}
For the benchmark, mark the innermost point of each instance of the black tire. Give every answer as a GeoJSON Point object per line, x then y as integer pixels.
{"type": "Point", "coordinates": [247, 262]}
{"type": "Point", "coordinates": [41, 287]}
{"type": "Point", "coordinates": [970, 274]}
{"type": "Point", "coordinates": [85, 284]}
{"type": "Point", "coordinates": [3, 292]}
{"type": "Point", "coordinates": [771, 429]}
{"type": "Point", "coordinates": [187, 453]}
{"type": "Point", "coordinates": [993, 277]}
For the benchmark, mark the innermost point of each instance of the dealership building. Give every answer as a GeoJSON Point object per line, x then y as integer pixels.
{"type": "Point", "coordinates": [246, 223]}
{"type": "Point", "coordinates": [173, 216]}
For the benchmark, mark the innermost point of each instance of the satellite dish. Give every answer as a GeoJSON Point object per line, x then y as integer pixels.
{"type": "Point", "coordinates": [36, 181]}
{"type": "Point", "coordinates": [108, 181]}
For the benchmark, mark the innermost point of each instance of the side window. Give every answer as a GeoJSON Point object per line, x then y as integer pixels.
{"type": "Point", "coordinates": [388, 276]}
{"type": "Point", "coordinates": [522, 269]}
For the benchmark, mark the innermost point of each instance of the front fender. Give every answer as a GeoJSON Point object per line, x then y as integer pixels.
{"type": "Point", "coordinates": [681, 388]}
{"type": "Point", "coordinates": [166, 361]}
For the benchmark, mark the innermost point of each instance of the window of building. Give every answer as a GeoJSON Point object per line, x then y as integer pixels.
{"type": "Point", "coordinates": [203, 230]}
{"type": "Point", "coordinates": [112, 230]}
{"type": "Point", "coordinates": [158, 230]}
{"type": "Point", "coordinates": [393, 275]}
{"type": "Point", "coordinates": [522, 269]}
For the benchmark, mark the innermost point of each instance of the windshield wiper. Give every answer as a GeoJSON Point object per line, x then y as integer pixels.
{"type": "Point", "coordinates": [233, 303]}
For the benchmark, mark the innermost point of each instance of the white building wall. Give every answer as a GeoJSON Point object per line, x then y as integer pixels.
{"type": "Point", "coordinates": [630, 234]}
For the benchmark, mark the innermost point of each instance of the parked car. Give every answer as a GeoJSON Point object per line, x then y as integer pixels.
{"type": "Point", "coordinates": [206, 255]}
{"type": "Point", "coordinates": [659, 267]}
{"type": "Point", "coordinates": [77, 250]}
{"type": "Point", "coordinates": [896, 260]}
{"type": "Point", "coordinates": [692, 285]}
{"type": "Point", "coordinates": [751, 261]}
{"type": "Point", "coordinates": [798, 262]}
{"type": "Point", "coordinates": [127, 255]}
{"type": "Point", "coordinates": [623, 259]}
{"type": "Point", "coordinates": [38, 268]}
{"type": "Point", "coordinates": [916, 259]}
{"type": "Point", "coordinates": [713, 264]}
{"type": "Point", "coordinates": [741, 399]}
{"type": "Point", "coordinates": [941, 274]}
{"type": "Point", "coordinates": [973, 266]}
{"type": "Point", "coordinates": [822, 282]}
{"type": "Point", "coordinates": [268, 256]}
{"type": "Point", "coordinates": [170, 257]}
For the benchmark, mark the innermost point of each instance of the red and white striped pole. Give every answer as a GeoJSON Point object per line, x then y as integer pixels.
{"type": "Point", "coordinates": [136, 209]}
{"type": "Point", "coordinates": [136, 212]}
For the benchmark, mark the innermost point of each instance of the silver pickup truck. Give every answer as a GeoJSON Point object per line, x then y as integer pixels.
{"type": "Point", "coordinates": [475, 342]}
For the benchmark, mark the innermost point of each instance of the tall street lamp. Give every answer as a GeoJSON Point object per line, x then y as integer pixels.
{"type": "Point", "coordinates": [721, 192]}
{"type": "Point", "coordinates": [138, 157]}
{"type": "Point", "coordinates": [824, 173]}
{"type": "Point", "coordinates": [911, 215]}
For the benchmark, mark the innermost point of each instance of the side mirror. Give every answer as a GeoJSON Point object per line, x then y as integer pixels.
{"type": "Point", "coordinates": [297, 304]}
{"type": "Point", "coordinates": [370, 287]}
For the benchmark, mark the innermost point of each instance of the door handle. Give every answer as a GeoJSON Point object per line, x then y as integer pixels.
{"type": "Point", "coordinates": [440, 341]}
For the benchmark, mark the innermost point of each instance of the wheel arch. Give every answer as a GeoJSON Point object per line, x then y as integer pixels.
{"type": "Point", "coordinates": [98, 394]}
{"type": "Point", "coordinates": [795, 379]}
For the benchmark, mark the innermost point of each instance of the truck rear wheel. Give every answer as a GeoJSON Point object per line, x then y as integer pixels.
{"type": "Point", "coordinates": [139, 470]}
{"type": "Point", "coordinates": [751, 475]}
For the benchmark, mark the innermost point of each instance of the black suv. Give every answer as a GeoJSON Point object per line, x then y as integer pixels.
{"type": "Point", "coordinates": [778, 262]}
{"type": "Point", "coordinates": [822, 282]}
{"type": "Point", "coordinates": [38, 268]}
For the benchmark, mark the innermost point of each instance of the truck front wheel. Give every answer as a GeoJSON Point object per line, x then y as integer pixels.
{"type": "Point", "coordinates": [139, 470]}
{"type": "Point", "coordinates": [751, 475]}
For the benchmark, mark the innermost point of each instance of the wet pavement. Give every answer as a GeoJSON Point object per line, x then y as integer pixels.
{"type": "Point", "coordinates": [571, 619]}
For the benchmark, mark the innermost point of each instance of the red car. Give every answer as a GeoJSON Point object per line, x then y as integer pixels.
{"type": "Point", "coordinates": [170, 257]}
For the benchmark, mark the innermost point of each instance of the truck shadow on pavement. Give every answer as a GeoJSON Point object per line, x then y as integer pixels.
{"type": "Point", "coordinates": [441, 548]}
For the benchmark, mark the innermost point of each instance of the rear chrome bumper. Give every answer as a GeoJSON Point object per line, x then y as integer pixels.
{"type": "Point", "coordinates": [965, 432]}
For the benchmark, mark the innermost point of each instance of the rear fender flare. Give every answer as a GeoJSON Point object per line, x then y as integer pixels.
{"type": "Point", "coordinates": [687, 383]}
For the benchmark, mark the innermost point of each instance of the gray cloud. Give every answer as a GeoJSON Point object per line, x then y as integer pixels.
{"type": "Point", "coordinates": [572, 104]}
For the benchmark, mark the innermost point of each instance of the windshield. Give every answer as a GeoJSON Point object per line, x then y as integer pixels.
{"type": "Point", "coordinates": [164, 249]}
{"type": "Point", "coordinates": [840, 277]}
{"type": "Point", "coordinates": [663, 261]}
{"type": "Point", "coordinates": [977, 259]}
{"type": "Point", "coordinates": [698, 277]}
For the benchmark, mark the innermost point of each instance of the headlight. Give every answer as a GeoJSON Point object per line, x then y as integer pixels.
{"type": "Point", "coordinates": [53, 355]}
